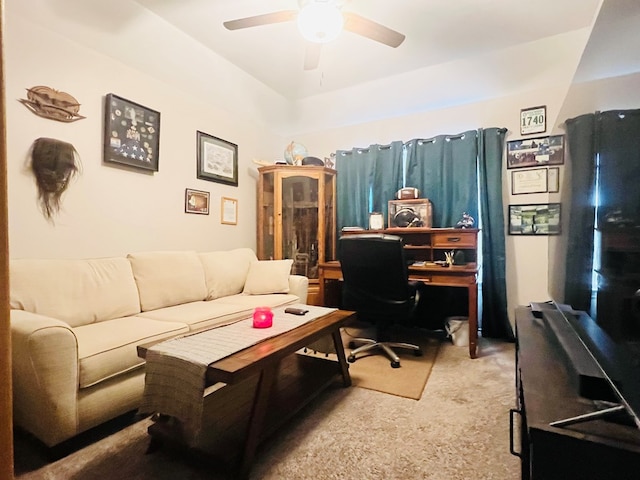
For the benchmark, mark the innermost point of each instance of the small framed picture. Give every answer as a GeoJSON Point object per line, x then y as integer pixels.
{"type": "Point", "coordinates": [376, 221]}
{"type": "Point", "coordinates": [196, 201]}
{"type": "Point", "coordinates": [529, 181]}
{"type": "Point", "coordinates": [217, 159]}
{"type": "Point", "coordinates": [131, 134]}
{"type": "Point", "coordinates": [534, 219]}
{"type": "Point", "coordinates": [229, 211]}
{"type": "Point", "coordinates": [533, 120]}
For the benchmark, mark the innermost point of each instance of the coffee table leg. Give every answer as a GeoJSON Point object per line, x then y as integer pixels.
{"type": "Point", "coordinates": [258, 413]}
{"type": "Point", "coordinates": [342, 359]}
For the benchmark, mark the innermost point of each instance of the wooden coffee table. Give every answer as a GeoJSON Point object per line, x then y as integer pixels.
{"type": "Point", "coordinates": [254, 391]}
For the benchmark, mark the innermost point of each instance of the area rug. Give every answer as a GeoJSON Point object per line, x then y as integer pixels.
{"type": "Point", "coordinates": [374, 371]}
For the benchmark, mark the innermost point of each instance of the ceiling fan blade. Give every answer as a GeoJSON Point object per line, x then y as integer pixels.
{"type": "Point", "coordinates": [258, 20]}
{"type": "Point", "coordinates": [312, 56]}
{"type": "Point", "coordinates": [375, 31]}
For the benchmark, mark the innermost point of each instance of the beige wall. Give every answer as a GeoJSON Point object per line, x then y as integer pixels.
{"type": "Point", "coordinates": [109, 210]}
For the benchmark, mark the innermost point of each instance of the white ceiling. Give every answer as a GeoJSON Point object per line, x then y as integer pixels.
{"type": "Point", "coordinates": [437, 32]}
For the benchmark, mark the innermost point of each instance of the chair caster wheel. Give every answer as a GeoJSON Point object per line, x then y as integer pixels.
{"type": "Point", "coordinates": [417, 353]}
{"type": "Point", "coordinates": [351, 358]}
{"type": "Point", "coordinates": [395, 364]}
{"type": "Point", "coordinates": [352, 344]}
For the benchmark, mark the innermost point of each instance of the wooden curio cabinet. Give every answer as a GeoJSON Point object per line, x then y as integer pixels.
{"type": "Point", "coordinates": [297, 218]}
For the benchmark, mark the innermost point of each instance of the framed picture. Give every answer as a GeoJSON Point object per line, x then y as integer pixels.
{"type": "Point", "coordinates": [535, 152]}
{"type": "Point", "coordinates": [196, 201]}
{"type": "Point", "coordinates": [376, 221]}
{"type": "Point", "coordinates": [554, 179]}
{"type": "Point", "coordinates": [529, 181]}
{"type": "Point", "coordinates": [217, 159]}
{"type": "Point", "coordinates": [131, 134]}
{"type": "Point", "coordinates": [534, 219]}
{"type": "Point", "coordinates": [533, 120]}
{"type": "Point", "coordinates": [229, 211]}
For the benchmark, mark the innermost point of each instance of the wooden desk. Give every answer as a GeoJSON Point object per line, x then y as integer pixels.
{"type": "Point", "coordinates": [464, 276]}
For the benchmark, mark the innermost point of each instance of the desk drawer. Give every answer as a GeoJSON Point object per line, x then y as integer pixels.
{"type": "Point", "coordinates": [454, 240]}
{"type": "Point", "coordinates": [444, 279]}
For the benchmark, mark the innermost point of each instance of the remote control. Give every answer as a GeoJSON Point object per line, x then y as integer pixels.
{"type": "Point", "coordinates": [295, 311]}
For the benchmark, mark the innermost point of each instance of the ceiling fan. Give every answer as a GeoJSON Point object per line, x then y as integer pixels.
{"type": "Point", "coordinates": [321, 21]}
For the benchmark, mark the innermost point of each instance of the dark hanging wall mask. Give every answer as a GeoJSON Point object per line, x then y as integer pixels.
{"type": "Point", "coordinates": [54, 164]}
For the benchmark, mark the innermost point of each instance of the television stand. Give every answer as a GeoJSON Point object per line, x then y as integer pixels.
{"type": "Point", "coordinates": [548, 390]}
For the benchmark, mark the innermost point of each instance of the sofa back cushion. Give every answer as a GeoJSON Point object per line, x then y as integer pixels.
{"type": "Point", "coordinates": [226, 271]}
{"type": "Point", "coordinates": [78, 292]}
{"type": "Point", "coordinates": [165, 279]}
{"type": "Point", "coordinates": [268, 276]}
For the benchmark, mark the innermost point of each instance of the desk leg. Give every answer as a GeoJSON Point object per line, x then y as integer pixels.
{"type": "Point", "coordinates": [321, 281]}
{"type": "Point", "coordinates": [473, 320]}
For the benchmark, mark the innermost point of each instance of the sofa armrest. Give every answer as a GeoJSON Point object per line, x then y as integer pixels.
{"type": "Point", "coordinates": [299, 285]}
{"type": "Point", "coordinates": [45, 376]}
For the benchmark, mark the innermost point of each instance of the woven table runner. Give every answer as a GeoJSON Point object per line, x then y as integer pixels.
{"type": "Point", "coordinates": [175, 370]}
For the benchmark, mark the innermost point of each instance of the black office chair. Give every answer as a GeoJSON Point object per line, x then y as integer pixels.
{"type": "Point", "coordinates": [376, 285]}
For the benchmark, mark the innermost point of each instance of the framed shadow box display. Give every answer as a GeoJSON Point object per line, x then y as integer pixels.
{"type": "Point", "coordinates": [535, 152]}
{"type": "Point", "coordinates": [534, 219]}
{"type": "Point", "coordinates": [131, 134]}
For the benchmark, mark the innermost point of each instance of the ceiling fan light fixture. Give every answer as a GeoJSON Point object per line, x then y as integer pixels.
{"type": "Point", "coordinates": [320, 22]}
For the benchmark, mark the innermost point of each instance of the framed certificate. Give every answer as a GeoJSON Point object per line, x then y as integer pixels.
{"type": "Point", "coordinates": [529, 181]}
{"type": "Point", "coordinates": [229, 211]}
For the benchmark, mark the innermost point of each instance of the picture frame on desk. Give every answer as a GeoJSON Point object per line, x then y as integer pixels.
{"type": "Point", "coordinates": [376, 221]}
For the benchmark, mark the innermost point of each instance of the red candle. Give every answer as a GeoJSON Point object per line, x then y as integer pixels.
{"type": "Point", "coordinates": [262, 317]}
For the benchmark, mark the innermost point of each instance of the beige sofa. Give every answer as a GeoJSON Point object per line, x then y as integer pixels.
{"type": "Point", "coordinates": [76, 323]}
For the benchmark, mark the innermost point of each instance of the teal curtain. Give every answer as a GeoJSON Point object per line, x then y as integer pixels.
{"type": "Point", "coordinates": [495, 320]}
{"type": "Point", "coordinates": [388, 177]}
{"type": "Point", "coordinates": [444, 168]}
{"type": "Point", "coordinates": [367, 179]}
{"type": "Point", "coordinates": [581, 140]}
{"type": "Point", "coordinates": [453, 171]}
{"type": "Point", "coordinates": [605, 164]}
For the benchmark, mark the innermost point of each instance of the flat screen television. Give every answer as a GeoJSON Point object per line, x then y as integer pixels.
{"type": "Point", "coordinates": [606, 333]}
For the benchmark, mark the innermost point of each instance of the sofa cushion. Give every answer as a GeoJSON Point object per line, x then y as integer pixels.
{"type": "Point", "coordinates": [201, 314]}
{"type": "Point", "coordinates": [107, 349]}
{"type": "Point", "coordinates": [168, 278]}
{"type": "Point", "coordinates": [226, 271]}
{"type": "Point", "coordinates": [79, 292]}
{"type": "Point", "coordinates": [249, 302]}
{"type": "Point", "coordinates": [268, 276]}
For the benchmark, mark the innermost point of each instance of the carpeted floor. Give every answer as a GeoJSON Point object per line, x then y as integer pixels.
{"type": "Point", "coordinates": [458, 429]}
